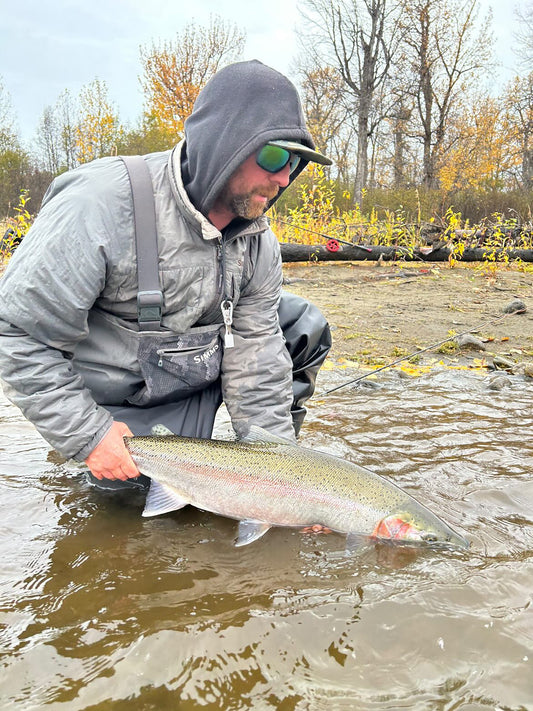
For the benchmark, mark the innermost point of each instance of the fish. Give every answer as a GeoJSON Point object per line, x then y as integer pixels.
{"type": "Point", "coordinates": [265, 480]}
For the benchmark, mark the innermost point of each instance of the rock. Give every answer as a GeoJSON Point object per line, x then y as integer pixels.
{"type": "Point", "coordinates": [370, 384]}
{"type": "Point", "coordinates": [403, 375]}
{"type": "Point", "coordinates": [528, 370]}
{"type": "Point", "coordinates": [467, 340]}
{"type": "Point", "coordinates": [516, 306]}
{"type": "Point", "coordinates": [501, 363]}
{"type": "Point", "coordinates": [498, 382]}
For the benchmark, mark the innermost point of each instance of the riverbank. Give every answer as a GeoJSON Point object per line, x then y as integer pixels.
{"type": "Point", "coordinates": [381, 312]}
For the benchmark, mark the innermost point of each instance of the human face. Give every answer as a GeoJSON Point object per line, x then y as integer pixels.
{"type": "Point", "coordinates": [248, 192]}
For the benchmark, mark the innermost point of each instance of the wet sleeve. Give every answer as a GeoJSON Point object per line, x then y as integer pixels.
{"type": "Point", "coordinates": [257, 371]}
{"type": "Point", "coordinates": [49, 286]}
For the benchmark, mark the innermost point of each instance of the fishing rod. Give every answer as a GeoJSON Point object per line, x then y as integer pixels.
{"type": "Point", "coordinates": [424, 350]}
{"type": "Point", "coordinates": [322, 234]}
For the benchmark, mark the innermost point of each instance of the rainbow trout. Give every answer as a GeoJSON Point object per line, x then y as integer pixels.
{"type": "Point", "coordinates": [267, 481]}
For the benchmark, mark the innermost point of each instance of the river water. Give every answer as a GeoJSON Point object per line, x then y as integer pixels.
{"type": "Point", "coordinates": [104, 610]}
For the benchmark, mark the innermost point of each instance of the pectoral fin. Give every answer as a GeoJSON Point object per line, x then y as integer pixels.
{"type": "Point", "coordinates": [250, 531]}
{"type": "Point", "coordinates": [355, 543]}
{"type": "Point", "coordinates": [162, 499]}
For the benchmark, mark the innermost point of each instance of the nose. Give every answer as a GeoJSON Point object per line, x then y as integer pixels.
{"type": "Point", "coordinates": [282, 177]}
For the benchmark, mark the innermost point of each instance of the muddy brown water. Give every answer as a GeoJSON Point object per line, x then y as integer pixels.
{"type": "Point", "coordinates": [104, 610]}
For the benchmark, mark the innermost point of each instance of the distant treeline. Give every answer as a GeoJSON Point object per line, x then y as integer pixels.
{"type": "Point", "coordinates": [409, 126]}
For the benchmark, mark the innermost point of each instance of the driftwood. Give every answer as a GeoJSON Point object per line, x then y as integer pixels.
{"type": "Point", "coordinates": [319, 253]}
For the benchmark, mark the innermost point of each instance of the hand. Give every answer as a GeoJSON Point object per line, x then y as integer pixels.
{"type": "Point", "coordinates": [110, 459]}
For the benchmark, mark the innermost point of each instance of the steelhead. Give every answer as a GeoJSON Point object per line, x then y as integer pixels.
{"type": "Point", "coordinates": [267, 481]}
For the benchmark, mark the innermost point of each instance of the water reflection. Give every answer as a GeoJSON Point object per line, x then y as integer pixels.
{"type": "Point", "coordinates": [102, 609]}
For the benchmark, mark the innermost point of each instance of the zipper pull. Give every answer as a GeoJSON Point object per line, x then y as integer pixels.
{"type": "Point", "coordinates": [227, 314]}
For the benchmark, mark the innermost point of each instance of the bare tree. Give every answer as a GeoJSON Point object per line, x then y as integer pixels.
{"type": "Point", "coordinates": [327, 115]}
{"type": "Point", "coordinates": [67, 118]}
{"type": "Point", "coordinates": [48, 141]}
{"type": "Point", "coordinates": [8, 136]}
{"type": "Point", "coordinates": [357, 38]}
{"type": "Point", "coordinates": [524, 35]}
{"type": "Point", "coordinates": [56, 135]}
{"type": "Point", "coordinates": [518, 103]}
{"type": "Point", "coordinates": [448, 50]}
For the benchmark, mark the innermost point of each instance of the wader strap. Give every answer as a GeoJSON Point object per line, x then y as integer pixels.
{"type": "Point", "coordinates": [149, 296]}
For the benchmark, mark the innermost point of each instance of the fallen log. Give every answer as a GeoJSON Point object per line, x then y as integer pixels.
{"type": "Point", "coordinates": [291, 252]}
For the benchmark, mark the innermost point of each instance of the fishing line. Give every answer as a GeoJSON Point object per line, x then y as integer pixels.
{"type": "Point", "coordinates": [424, 350]}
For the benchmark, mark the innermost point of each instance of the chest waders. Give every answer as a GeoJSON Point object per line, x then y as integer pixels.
{"type": "Point", "coordinates": [175, 395]}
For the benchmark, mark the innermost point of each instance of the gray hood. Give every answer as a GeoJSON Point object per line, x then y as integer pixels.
{"type": "Point", "coordinates": [241, 108]}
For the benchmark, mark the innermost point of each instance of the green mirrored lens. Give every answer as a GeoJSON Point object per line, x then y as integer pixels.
{"type": "Point", "coordinates": [273, 158]}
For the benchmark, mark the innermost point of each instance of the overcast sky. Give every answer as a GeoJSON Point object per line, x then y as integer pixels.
{"type": "Point", "coordinates": [52, 45]}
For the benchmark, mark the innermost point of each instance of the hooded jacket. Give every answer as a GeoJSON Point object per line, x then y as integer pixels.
{"type": "Point", "coordinates": [241, 108]}
{"type": "Point", "coordinates": [68, 303]}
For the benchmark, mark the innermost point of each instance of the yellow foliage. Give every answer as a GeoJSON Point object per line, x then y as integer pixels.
{"type": "Point", "coordinates": [170, 94]}
{"type": "Point", "coordinates": [175, 72]}
{"type": "Point", "coordinates": [98, 130]}
{"type": "Point", "coordinates": [19, 225]}
{"type": "Point", "coordinates": [479, 155]}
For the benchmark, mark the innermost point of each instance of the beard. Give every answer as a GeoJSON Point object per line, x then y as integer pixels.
{"type": "Point", "coordinates": [243, 204]}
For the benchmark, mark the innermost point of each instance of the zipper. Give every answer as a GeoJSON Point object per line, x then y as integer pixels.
{"type": "Point", "coordinates": [214, 309]}
{"type": "Point", "coordinates": [226, 305]}
{"type": "Point", "coordinates": [227, 314]}
{"type": "Point", "coordinates": [168, 352]}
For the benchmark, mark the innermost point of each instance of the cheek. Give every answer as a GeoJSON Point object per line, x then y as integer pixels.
{"type": "Point", "coordinates": [248, 177]}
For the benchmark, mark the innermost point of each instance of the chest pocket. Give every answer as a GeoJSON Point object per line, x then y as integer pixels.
{"type": "Point", "coordinates": [176, 366]}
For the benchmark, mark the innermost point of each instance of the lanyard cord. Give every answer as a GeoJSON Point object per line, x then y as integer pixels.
{"type": "Point", "coordinates": [227, 304]}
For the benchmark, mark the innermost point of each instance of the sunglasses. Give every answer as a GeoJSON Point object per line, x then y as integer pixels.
{"type": "Point", "coordinates": [275, 158]}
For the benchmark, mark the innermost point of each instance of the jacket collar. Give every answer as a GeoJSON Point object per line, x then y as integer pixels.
{"type": "Point", "coordinates": [193, 216]}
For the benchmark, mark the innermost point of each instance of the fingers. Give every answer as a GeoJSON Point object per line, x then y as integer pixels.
{"type": "Point", "coordinates": [110, 459]}
{"type": "Point", "coordinates": [119, 473]}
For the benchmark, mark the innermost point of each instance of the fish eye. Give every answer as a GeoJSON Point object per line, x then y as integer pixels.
{"type": "Point", "coordinates": [429, 537]}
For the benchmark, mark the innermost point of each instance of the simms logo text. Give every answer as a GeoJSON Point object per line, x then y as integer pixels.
{"type": "Point", "coordinates": [206, 355]}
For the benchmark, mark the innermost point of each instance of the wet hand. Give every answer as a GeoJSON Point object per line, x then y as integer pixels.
{"type": "Point", "coordinates": [110, 459]}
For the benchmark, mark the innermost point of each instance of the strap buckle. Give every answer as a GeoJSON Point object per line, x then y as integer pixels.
{"type": "Point", "coordinates": [149, 308]}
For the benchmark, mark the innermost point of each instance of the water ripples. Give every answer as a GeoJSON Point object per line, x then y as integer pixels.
{"type": "Point", "coordinates": [101, 609]}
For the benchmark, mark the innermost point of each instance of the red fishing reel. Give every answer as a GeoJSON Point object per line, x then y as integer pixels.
{"type": "Point", "coordinates": [332, 245]}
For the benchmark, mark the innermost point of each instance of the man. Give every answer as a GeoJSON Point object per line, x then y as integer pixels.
{"type": "Point", "coordinates": [78, 354]}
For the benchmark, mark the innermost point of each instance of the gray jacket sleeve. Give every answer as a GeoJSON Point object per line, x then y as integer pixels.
{"type": "Point", "coordinates": [51, 282]}
{"type": "Point", "coordinates": [257, 372]}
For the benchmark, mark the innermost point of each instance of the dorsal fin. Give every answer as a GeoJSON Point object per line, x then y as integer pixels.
{"type": "Point", "coordinates": [160, 430]}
